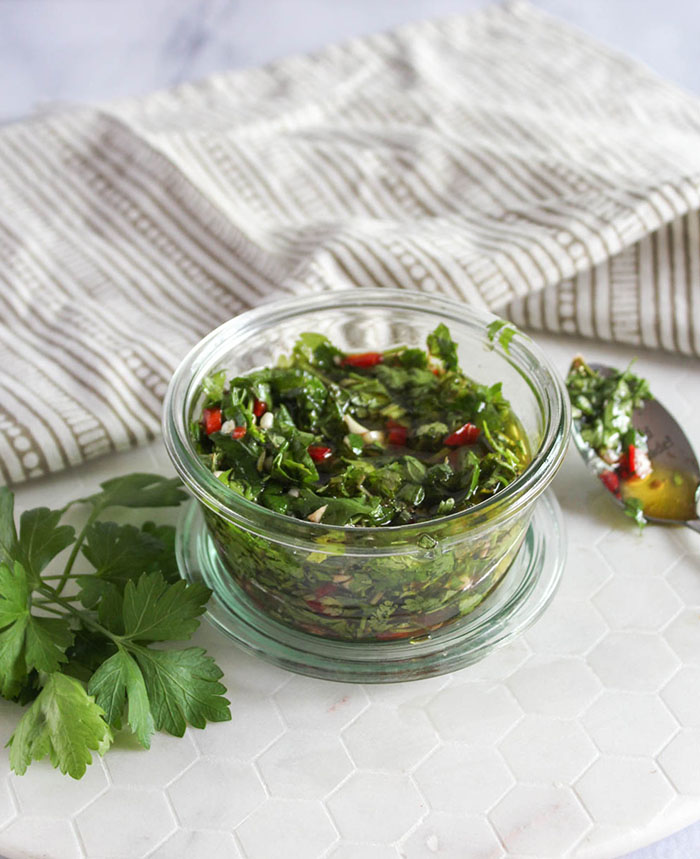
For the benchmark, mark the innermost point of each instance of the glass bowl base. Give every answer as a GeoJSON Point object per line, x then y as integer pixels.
{"type": "Point", "coordinates": [518, 600]}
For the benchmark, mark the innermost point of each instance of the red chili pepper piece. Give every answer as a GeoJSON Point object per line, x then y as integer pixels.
{"type": "Point", "coordinates": [316, 606]}
{"type": "Point", "coordinates": [324, 590]}
{"type": "Point", "coordinates": [211, 419]}
{"type": "Point", "coordinates": [466, 434]}
{"type": "Point", "coordinates": [634, 464]}
{"type": "Point", "coordinates": [397, 435]}
{"type": "Point", "coordinates": [239, 432]}
{"type": "Point", "coordinates": [625, 466]}
{"type": "Point", "coordinates": [611, 481]}
{"type": "Point", "coordinates": [259, 408]}
{"type": "Point", "coordinates": [319, 453]}
{"type": "Point", "coordinates": [314, 630]}
{"type": "Point", "coordinates": [391, 634]}
{"type": "Point", "coordinates": [392, 424]}
{"type": "Point", "coordinates": [363, 359]}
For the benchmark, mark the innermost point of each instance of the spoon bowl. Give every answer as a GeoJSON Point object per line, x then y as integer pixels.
{"type": "Point", "coordinates": [669, 495]}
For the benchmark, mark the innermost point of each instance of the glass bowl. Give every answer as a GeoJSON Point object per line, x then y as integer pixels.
{"type": "Point", "coordinates": [370, 584]}
{"type": "Point", "coordinates": [510, 609]}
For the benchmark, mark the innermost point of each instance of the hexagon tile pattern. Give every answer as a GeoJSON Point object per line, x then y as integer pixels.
{"type": "Point", "coordinates": [579, 739]}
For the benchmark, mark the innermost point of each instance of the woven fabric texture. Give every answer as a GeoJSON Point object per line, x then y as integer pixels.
{"type": "Point", "coordinates": [499, 158]}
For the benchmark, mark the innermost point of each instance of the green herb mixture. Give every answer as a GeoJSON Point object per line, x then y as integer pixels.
{"type": "Point", "coordinates": [364, 439]}
{"type": "Point", "coordinates": [75, 645]}
{"type": "Point", "coordinates": [377, 438]}
{"type": "Point", "coordinates": [602, 407]}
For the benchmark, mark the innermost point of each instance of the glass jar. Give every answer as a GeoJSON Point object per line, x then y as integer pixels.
{"type": "Point", "coordinates": [370, 584]}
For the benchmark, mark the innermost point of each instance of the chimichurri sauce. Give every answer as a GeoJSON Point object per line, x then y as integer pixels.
{"type": "Point", "coordinates": [603, 406]}
{"type": "Point", "coordinates": [665, 493]}
{"type": "Point", "coordinates": [364, 439]}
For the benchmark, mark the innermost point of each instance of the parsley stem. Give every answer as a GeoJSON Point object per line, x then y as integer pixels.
{"type": "Point", "coordinates": [76, 548]}
{"type": "Point", "coordinates": [53, 596]}
{"type": "Point", "coordinates": [41, 602]}
{"type": "Point", "coordinates": [48, 608]}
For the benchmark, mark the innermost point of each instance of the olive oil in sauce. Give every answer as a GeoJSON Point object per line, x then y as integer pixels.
{"type": "Point", "coordinates": [665, 493]}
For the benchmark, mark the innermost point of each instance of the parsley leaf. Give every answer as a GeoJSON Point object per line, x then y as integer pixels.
{"type": "Point", "coordinates": [14, 593]}
{"type": "Point", "coordinates": [8, 534]}
{"type": "Point", "coordinates": [183, 688]}
{"type": "Point", "coordinates": [153, 610]}
{"type": "Point", "coordinates": [166, 562]}
{"type": "Point", "coordinates": [109, 608]}
{"type": "Point", "coordinates": [93, 589]}
{"type": "Point", "coordinates": [634, 508]}
{"type": "Point", "coordinates": [131, 596]}
{"type": "Point", "coordinates": [45, 639]}
{"type": "Point", "coordinates": [13, 669]}
{"type": "Point", "coordinates": [64, 723]}
{"type": "Point", "coordinates": [41, 538]}
{"type": "Point", "coordinates": [502, 331]}
{"type": "Point", "coordinates": [88, 651]}
{"type": "Point", "coordinates": [442, 346]}
{"type": "Point", "coordinates": [139, 490]}
{"type": "Point", "coordinates": [119, 678]}
{"type": "Point", "coordinates": [116, 551]}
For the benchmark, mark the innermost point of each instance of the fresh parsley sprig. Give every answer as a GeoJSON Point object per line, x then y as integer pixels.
{"type": "Point", "coordinates": [84, 662]}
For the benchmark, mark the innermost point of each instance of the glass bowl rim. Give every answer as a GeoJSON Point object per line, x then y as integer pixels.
{"type": "Point", "coordinates": [265, 522]}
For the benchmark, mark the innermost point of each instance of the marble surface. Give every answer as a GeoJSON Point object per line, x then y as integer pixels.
{"type": "Point", "coordinates": [578, 740]}
{"type": "Point", "coordinates": [54, 52]}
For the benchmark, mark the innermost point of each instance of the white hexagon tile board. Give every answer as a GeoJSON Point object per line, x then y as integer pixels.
{"type": "Point", "coordinates": [580, 739]}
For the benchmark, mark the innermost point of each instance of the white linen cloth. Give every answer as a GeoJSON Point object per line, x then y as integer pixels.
{"type": "Point", "coordinates": [500, 158]}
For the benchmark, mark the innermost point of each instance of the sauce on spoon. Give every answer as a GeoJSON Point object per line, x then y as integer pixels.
{"type": "Point", "coordinates": [634, 445]}
{"type": "Point", "coordinates": [665, 493]}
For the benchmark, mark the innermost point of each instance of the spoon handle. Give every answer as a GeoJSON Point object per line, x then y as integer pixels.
{"type": "Point", "coordinates": [694, 524]}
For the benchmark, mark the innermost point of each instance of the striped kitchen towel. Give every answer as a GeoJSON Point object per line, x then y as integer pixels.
{"type": "Point", "coordinates": [501, 158]}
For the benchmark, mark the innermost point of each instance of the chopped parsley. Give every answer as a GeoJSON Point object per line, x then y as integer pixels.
{"type": "Point", "coordinates": [503, 332]}
{"type": "Point", "coordinates": [365, 439]}
{"type": "Point", "coordinates": [634, 508]}
{"type": "Point", "coordinates": [602, 408]}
